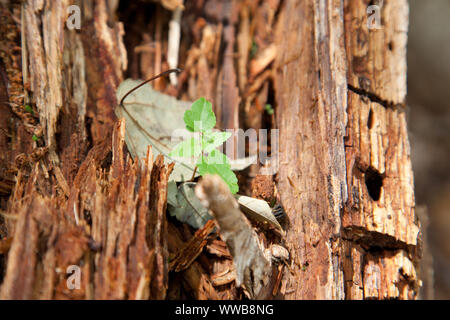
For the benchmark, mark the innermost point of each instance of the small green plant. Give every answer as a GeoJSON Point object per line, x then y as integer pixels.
{"type": "Point", "coordinates": [253, 49]}
{"type": "Point", "coordinates": [269, 109]}
{"type": "Point", "coordinates": [35, 137]}
{"type": "Point", "coordinates": [29, 109]}
{"type": "Point", "coordinates": [201, 119]}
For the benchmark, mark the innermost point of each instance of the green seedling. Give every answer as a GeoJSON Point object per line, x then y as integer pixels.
{"type": "Point", "coordinates": [35, 137]}
{"type": "Point", "coordinates": [29, 109]}
{"type": "Point", "coordinates": [269, 109]}
{"type": "Point", "coordinates": [151, 116]}
{"type": "Point", "coordinates": [201, 119]}
{"type": "Point", "coordinates": [253, 50]}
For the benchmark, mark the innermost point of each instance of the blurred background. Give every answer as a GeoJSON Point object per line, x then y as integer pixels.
{"type": "Point", "coordinates": [429, 126]}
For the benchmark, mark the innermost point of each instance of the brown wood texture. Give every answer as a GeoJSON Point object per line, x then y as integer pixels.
{"type": "Point", "coordinates": [380, 213]}
{"type": "Point", "coordinates": [345, 172]}
{"type": "Point", "coordinates": [123, 249]}
{"type": "Point", "coordinates": [74, 206]}
{"type": "Point", "coordinates": [311, 116]}
{"type": "Point", "coordinates": [71, 195]}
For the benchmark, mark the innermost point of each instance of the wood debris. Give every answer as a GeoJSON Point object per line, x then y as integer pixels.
{"type": "Point", "coordinates": [73, 197]}
{"type": "Point", "coordinates": [192, 250]}
{"type": "Point", "coordinates": [218, 248]}
{"type": "Point", "coordinates": [262, 60]}
{"type": "Point", "coordinates": [224, 277]}
{"type": "Point", "coordinates": [128, 225]}
{"type": "Point", "coordinates": [252, 268]}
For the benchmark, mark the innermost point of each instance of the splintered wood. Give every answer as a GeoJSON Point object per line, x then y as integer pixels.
{"type": "Point", "coordinates": [183, 259]}
{"type": "Point", "coordinates": [91, 223]}
{"type": "Point", "coordinates": [112, 227]}
{"type": "Point", "coordinates": [15, 131]}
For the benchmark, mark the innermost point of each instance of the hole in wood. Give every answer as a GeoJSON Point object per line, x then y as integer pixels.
{"type": "Point", "coordinates": [374, 183]}
{"type": "Point", "coordinates": [390, 46]}
{"type": "Point", "coordinates": [370, 119]}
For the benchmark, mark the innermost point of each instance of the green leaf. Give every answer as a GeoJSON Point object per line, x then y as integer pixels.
{"type": "Point", "coordinates": [253, 50]}
{"type": "Point", "coordinates": [187, 149]}
{"type": "Point", "coordinates": [29, 109]}
{"type": "Point", "coordinates": [269, 109]}
{"type": "Point", "coordinates": [217, 163]}
{"type": "Point", "coordinates": [201, 116]}
{"type": "Point", "coordinates": [215, 139]}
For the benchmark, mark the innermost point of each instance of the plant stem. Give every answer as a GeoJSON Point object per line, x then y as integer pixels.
{"type": "Point", "coordinates": [177, 70]}
{"type": "Point", "coordinates": [193, 175]}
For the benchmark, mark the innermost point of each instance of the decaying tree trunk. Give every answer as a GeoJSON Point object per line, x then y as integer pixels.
{"type": "Point", "coordinates": [345, 172]}
{"type": "Point", "coordinates": [72, 196]}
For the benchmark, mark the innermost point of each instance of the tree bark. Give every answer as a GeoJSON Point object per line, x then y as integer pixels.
{"type": "Point", "coordinates": [345, 171]}
{"type": "Point", "coordinates": [72, 196]}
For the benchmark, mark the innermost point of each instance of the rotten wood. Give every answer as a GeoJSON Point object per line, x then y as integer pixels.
{"type": "Point", "coordinates": [345, 175]}
{"type": "Point", "coordinates": [312, 121]}
{"type": "Point", "coordinates": [252, 267]}
{"type": "Point", "coordinates": [183, 259]}
{"type": "Point", "coordinates": [380, 212]}
{"type": "Point", "coordinates": [126, 224]}
{"type": "Point", "coordinates": [73, 197]}
{"type": "Point", "coordinates": [195, 280]}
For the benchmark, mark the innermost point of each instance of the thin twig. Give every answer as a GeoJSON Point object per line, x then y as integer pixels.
{"type": "Point", "coordinates": [193, 174]}
{"type": "Point", "coordinates": [174, 42]}
{"type": "Point", "coordinates": [8, 216]}
{"type": "Point", "coordinates": [177, 70]}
